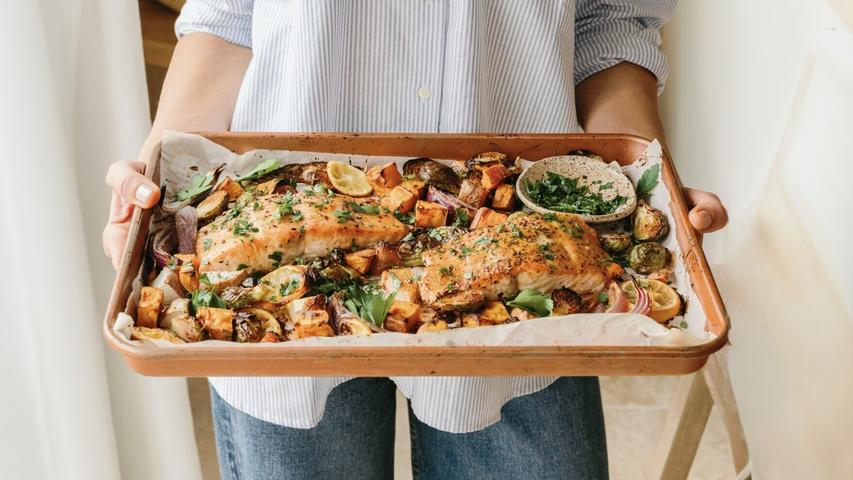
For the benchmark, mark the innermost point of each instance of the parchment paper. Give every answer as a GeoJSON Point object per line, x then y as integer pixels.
{"type": "Point", "coordinates": [185, 155]}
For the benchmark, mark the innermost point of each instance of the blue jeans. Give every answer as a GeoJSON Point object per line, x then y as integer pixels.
{"type": "Point", "coordinates": [556, 433]}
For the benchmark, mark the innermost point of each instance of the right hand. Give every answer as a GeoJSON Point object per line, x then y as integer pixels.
{"type": "Point", "coordinates": [129, 187]}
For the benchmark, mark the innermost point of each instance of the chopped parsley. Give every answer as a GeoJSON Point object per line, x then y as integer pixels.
{"type": "Point", "coordinates": [484, 241]}
{"type": "Point", "coordinates": [464, 250]}
{"type": "Point", "coordinates": [275, 257]}
{"type": "Point", "coordinates": [205, 298]}
{"type": "Point", "coordinates": [565, 194]}
{"type": "Point", "coordinates": [207, 243]}
{"type": "Point", "coordinates": [285, 208]}
{"type": "Point", "coordinates": [545, 248]}
{"type": "Point", "coordinates": [445, 270]}
{"type": "Point", "coordinates": [244, 228]}
{"type": "Point", "coordinates": [549, 216]}
{"type": "Point", "coordinates": [436, 234]}
{"type": "Point", "coordinates": [343, 216]}
{"type": "Point", "coordinates": [462, 219]}
{"type": "Point", "coordinates": [603, 297]}
{"type": "Point", "coordinates": [515, 231]}
{"type": "Point", "coordinates": [359, 208]}
{"type": "Point", "coordinates": [406, 218]}
{"type": "Point", "coordinates": [288, 287]}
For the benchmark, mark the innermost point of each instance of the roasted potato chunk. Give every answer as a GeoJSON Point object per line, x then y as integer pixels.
{"type": "Point", "coordinates": [188, 271]}
{"type": "Point", "coordinates": [231, 188]}
{"type": "Point", "coordinates": [494, 175]}
{"type": "Point", "coordinates": [408, 311]}
{"type": "Point", "coordinates": [435, 326]}
{"type": "Point", "coordinates": [361, 261]}
{"type": "Point", "coordinates": [150, 303]}
{"type": "Point", "coordinates": [218, 322]}
{"type": "Point", "coordinates": [470, 320]}
{"type": "Point", "coordinates": [430, 214]}
{"type": "Point", "coordinates": [400, 199]}
{"type": "Point", "coordinates": [504, 197]}
{"type": "Point", "coordinates": [493, 313]}
{"type": "Point", "coordinates": [486, 217]}
{"type": "Point", "coordinates": [402, 282]}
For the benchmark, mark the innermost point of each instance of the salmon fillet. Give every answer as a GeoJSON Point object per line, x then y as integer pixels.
{"type": "Point", "coordinates": [272, 230]}
{"type": "Point", "coordinates": [527, 251]}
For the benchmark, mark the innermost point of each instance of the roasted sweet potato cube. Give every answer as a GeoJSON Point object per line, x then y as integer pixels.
{"type": "Point", "coordinates": [150, 303]}
{"type": "Point", "coordinates": [395, 323]}
{"type": "Point", "coordinates": [493, 313]}
{"type": "Point", "coordinates": [504, 197]}
{"type": "Point", "coordinates": [435, 326]}
{"type": "Point", "coordinates": [188, 271]}
{"type": "Point", "coordinates": [272, 337]}
{"type": "Point", "coordinates": [267, 188]}
{"type": "Point", "coordinates": [231, 187]}
{"type": "Point", "coordinates": [401, 282]}
{"type": "Point", "coordinates": [212, 206]}
{"type": "Point", "coordinates": [494, 175]}
{"type": "Point", "coordinates": [430, 214]}
{"type": "Point", "coordinates": [410, 312]}
{"type": "Point", "coordinates": [486, 217]}
{"type": "Point", "coordinates": [470, 320]}
{"type": "Point", "coordinates": [384, 177]}
{"type": "Point", "coordinates": [218, 322]}
{"type": "Point", "coordinates": [415, 186]}
{"type": "Point", "coordinates": [305, 331]}
{"type": "Point", "coordinates": [472, 192]}
{"type": "Point", "coordinates": [361, 261]}
{"type": "Point", "coordinates": [400, 199]}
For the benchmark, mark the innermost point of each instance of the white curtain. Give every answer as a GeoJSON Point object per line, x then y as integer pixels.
{"type": "Point", "coordinates": [760, 109]}
{"type": "Point", "coordinates": [72, 100]}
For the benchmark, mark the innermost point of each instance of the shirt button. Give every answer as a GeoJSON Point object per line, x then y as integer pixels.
{"type": "Point", "coordinates": [424, 93]}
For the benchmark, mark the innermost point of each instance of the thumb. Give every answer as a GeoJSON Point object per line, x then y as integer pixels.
{"type": "Point", "coordinates": [127, 181]}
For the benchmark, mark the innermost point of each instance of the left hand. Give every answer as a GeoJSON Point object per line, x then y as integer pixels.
{"type": "Point", "coordinates": [707, 213]}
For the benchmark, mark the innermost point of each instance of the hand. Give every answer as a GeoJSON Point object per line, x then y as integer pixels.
{"type": "Point", "coordinates": [707, 213]}
{"type": "Point", "coordinates": [129, 187]}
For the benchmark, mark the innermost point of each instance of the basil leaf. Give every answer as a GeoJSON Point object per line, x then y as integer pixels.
{"type": "Point", "coordinates": [198, 184]}
{"type": "Point", "coordinates": [648, 181]}
{"type": "Point", "coordinates": [261, 169]}
{"type": "Point", "coordinates": [533, 301]}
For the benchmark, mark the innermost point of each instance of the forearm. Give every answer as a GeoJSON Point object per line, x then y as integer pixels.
{"type": "Point", "coordinates": [620, 99]}
{"type": "Point", "coordinates": [201, 87]}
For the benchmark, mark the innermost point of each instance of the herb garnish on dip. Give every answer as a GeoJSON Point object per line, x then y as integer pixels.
{"type": "Point", "coordinates": [564, 194]}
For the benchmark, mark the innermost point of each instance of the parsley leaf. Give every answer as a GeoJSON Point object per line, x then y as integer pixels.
{"type": "Point", "coordinates": [205, 298]}
{"type": "Point", "coordinates": [648, 181]}
{"type": "Point", "coordinates": [359, 208]}
{"type": "Point", "coordinates": [462, 219]}
{"type": "Point", "coordinates": [342, 215]}
{"type": "Point", "coordinates": [533, 301]}
{"type": "Point", "coordinates": [199, 184]}
{"type": "Point", "coordinates": [261, 169]}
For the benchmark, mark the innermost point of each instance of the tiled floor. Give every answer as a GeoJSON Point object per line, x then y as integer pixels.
{"type": "Point", "coordinates": [634, 410]}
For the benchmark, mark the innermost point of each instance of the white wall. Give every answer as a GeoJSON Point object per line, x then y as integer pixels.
{"type": "Point", "coordinates": [759, 108]}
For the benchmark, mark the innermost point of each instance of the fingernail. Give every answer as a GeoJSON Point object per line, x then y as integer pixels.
{"type": "Point", "coordinates": [143, 193]}
{"type": "Point", "coordinates": [704, 219]}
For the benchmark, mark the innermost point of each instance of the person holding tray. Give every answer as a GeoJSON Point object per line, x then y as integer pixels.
{"type": "Point", "coordinates": [500, 66]}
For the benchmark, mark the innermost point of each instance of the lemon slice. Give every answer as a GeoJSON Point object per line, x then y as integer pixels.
{"type": "Point", "coordinates": [665, 301]}
{"type": "Point", "coordinates": [348, 180]}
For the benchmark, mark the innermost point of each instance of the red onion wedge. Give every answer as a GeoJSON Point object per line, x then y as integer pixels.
{"type": "Point", "coordinates": [162, 244]}
{"type": "Point", "coordinates": [186, 225]}
{"type": "Point", "coordinates": [643, 304]}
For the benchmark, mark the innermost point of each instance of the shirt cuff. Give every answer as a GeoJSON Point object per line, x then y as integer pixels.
{"type": "Point", "coordinates": [216, 17]}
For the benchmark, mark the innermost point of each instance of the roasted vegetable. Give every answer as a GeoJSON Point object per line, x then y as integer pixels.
{"type": "Point", "coordinates": [470, 320]}
{"type": "Point", "coordinates": [504, 197]}
{"type": "Point", "coordinates": [177, 308]}
{"type": "Point", "coordinates": [493, 176]}
{"type": "Point", "coordinates": [186, 229]}
{"type": "Point", "coordinates": [650, 224]}
{"type": "Point", "coordinates": [457, 209]}
{"type": "Point", "coordinates": [283, 284]}
{"type": "Point", "coordinates": [384, 177]}
{"type": "Point", "coordinates": [400, 282]}
{"type": "Point", "coordinates": [420, 240]}
{"type": "Point", "coordinates": [520, 314]}
{"type": "Point", "coordinates": [161, 246]}
{"type": "Point", "coordinates": [429, 214]}
{"type": "Point", "coordinates": [268, 187]}
{"type": "Point", "coordinates": [218, 322]}
{"type": "Point", "coordinates": [219, 281]}
{"type": "Point", "coordinates": [486, 217]}
{"type": "Point", "coordinates": [150, 303]}
{"type": "Point", "coordinates": [187, 328]}
{"type": "Point", "coordinates": [417, 187]}
{"type": "Point", "coordinates": [648, 257]}
{"type": "Point", "coordinates": [615, 242]}
{"type": "Point", "coordinates": [212, 206]}
{"type": "Point", "coordinates": [435, 326]}
{"type": "Point", "coordinates": [145, 333]}
{"type": "Point", "coordinates": [485, 159]}
{"type": "Point", "coordinates": [231, 188]}
{"type": "Point", "coordinates": [188, 271]}
{"type": "Point", "coordinates": [309, 317]}
{"type": "Point", "coordinates": [472, 192]}
{"type": "Point", "coordinates": [408, 312]}
{"type": "Point", "coordinates": [387, 257]}
{"type": "Point", "coordinates": [493, 313]}
{"type": "Point", "coordinates": [345, 321]}
{"type": "Point", "coordinates": [247, 328]}
{"type": "Point", "coordinates": [400, 200]}
{"type": "Point", "coordinates": [433, 173]}
{"type": "Point", "coordinates": [361, 261]}
{"type": "Point", "coordinates": [566, 302]}
{"type": "Point", "coordinates": [266, 319]}
{"type": "Point", "coordinates": [239, 297]}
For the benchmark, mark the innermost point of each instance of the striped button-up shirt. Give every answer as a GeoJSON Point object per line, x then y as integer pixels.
{"type": "Point", "coordinates": [418, 66]}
